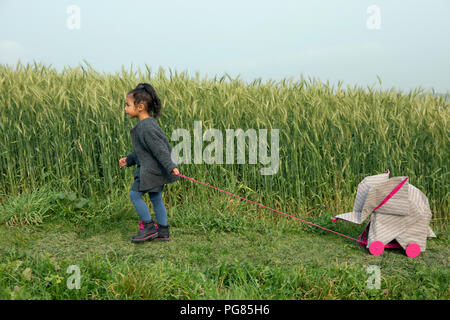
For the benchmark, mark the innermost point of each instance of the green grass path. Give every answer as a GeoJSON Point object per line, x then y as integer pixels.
{"type": "Point", "coordinates": [271, 262]}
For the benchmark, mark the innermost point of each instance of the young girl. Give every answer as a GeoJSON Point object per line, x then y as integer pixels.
{"type": "Point", "coordinates": [152, 155]}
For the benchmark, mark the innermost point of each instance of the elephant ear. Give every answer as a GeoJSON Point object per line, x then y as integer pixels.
{"type": "Point", "coordinates": [389, 197]}
{"type": "Point", "coordinates": [370, 204]}
{"type": "Point", "coordinates": [357, 216]}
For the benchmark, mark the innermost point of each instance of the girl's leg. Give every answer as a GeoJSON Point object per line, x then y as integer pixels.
{"type": "Point", "coordinates": [140, 206]}
{"type": "Point", "coordinates": [159, 207]}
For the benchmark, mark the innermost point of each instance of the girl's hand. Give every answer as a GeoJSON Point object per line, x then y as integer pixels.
{"type": "Point", "coordinates": [122, 162]}
{"type": "Point", "coordinates": [175, 171]}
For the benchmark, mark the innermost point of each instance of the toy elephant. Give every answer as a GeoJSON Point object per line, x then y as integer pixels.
{"type": "Point", "coordinates": [400, 215]}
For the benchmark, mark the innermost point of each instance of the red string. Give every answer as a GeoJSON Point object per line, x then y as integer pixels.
{"type": "Point", "coordinates": [288, 215]}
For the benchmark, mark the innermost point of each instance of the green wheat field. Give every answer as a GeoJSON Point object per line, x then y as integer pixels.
{"type": "Point", "coordinates": [64, 200]}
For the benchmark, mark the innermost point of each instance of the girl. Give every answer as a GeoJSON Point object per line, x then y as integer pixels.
{"type": "Point", "coordinates": [152, 155]}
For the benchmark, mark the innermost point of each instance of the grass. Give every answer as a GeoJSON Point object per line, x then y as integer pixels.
{"type": "Point", "coordinates": [247, 258]}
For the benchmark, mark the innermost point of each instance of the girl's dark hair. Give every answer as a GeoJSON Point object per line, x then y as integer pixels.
{"type": "Point", "coordinates": [146, 94]}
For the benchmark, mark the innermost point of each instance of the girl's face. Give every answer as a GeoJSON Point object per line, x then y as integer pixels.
{"type": "Point", "coordinates": [130, 109]}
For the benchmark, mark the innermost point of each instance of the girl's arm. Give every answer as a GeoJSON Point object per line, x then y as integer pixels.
{"type": "Point", "coordinates": [156, 142]}
{"type": "Point", "coordinates": [131, 159]}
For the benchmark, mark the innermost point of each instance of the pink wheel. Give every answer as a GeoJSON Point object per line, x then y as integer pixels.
{"type": "Point", "coordinates": [334, 220]}
{"type": "Point", "coordinates": [376, 248]}
{"type": "Point", "coordinates": [412, 250]}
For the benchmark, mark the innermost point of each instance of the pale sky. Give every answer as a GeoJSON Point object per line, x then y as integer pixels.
{"type": "Point", "coordinates": [326, 39]}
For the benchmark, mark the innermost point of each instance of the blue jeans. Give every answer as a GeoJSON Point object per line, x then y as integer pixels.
{"type": "Point", "coordinates": [142, 209]}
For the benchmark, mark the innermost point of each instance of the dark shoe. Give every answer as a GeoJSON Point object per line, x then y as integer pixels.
{"type": "Point", "coordinates": [149, 232]}
{"type": "Point", "coordinates": [163, 233]}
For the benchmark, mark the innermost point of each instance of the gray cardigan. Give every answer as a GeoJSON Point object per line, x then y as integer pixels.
{"type": "Point", "coordinates": [153, 150]}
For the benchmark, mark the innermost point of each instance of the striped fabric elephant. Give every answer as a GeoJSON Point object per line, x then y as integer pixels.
{"type": "Point", "coordinates": [399, 215]}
